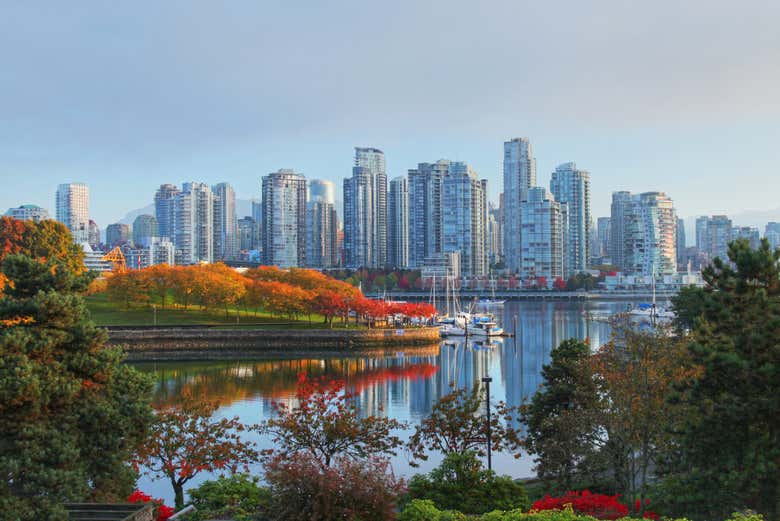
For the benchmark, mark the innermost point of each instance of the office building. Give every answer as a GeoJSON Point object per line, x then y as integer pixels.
{"type": "Point", "coordinates": [681, 254]}
{"type": "Point", "coordinates": [571, 186]}
{"type": "Point", "coordinates": [752, 235]}
{"type": "Point", "coordinates": [643, 233]}
{"type": "Point", "coordinates": [93, 233]}
{"type": "Point", "coordinates": [542, 250]}
{"type": "Point", "coordinates": [464, 218]}
{"type": "Point", "coordinates": [225, 222]}
{"type": "Point", "coordinates": [716, 233]}
{"type": "Point", "coordinates": [247, 234]}
{"type": "Point", "coordinates": [28, 212]}
{"type": "Point", "coordinates": [73, 209]}
{"type": "Point", "coordinates": [164, 210]}
{"type": "Point", "coordinates": [602, 238]}
{"type": "Point", "coordinates": [155, 251]}
{"type": "Point", "coordinates": [365, 211]}
{"type": "Point", "coordinates": [424, 184]}
{"type": "Point", "coordinates": [284, 219]}
{"type": "Point", "coordinates": [144, 230]}
{"type": "Point", "coordinates": [772, 234]}
{"type": "Point", "coordinates": [519, 176]}
{"type": "Point", "coordinates": [398, 223]}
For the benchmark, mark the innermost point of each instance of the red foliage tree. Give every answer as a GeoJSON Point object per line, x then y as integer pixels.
{"type": "Point", "coordinates": [559, 284]}
{"type": "Point", "coordinates": [162, 511]}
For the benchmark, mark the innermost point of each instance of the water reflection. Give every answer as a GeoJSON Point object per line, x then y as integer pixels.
{"type": "Point", "coordinates": [400, 385]}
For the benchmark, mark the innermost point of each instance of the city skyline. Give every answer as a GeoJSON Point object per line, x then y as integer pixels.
{"type": "Point", "coordinates": [671, 113]}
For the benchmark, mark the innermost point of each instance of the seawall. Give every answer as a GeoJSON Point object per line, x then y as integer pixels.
{"type": "Point", "coordinates": [173, 343]}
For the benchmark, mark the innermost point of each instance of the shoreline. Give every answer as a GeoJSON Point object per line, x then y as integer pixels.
{"type": "Point", "coordinates": [161, 343]}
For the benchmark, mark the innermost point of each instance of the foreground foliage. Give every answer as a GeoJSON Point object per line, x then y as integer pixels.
{"type": "Point", "coordinates": [236, 497]}
{"type": "Point", "coordinates": [72, 412]}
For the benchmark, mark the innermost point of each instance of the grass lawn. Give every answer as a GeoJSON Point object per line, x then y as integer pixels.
{"type": "Point", "coordinates": [106, 313]}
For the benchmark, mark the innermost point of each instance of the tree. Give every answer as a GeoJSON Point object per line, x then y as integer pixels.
{"type": "Point", "coordinates": [562, 419]}
{"type": "Point", "coordinates": [128, 287]}
{"type": "Point", "coordinates": [324, 423]}
{"type": "Point", "coordinates": [186, 440]}
{"type": "Point", "coordinates": [456, 425]}
{"type": "Point", "coordinates": [72, 412]}
{"type": "Point", "coordinates": [461, 483]}
{"type": "Point", "coordinates": [302, 489]}
{"type": "Point", "coordinates": [237, 497]}
{"type": "Point", "coordinates": [728, 455]}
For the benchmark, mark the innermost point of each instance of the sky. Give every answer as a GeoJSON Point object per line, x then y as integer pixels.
{"type": "Point", "coordinates": [680, 97]}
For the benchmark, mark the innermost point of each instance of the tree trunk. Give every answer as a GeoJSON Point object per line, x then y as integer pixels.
{"type": "Point", "coordinates": [178, 490]}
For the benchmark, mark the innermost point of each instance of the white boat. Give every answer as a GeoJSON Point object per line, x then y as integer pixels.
{"type": "Point", "coordinates": [485, 325]}
{"type": "Point", "coordinates": [491, 302]}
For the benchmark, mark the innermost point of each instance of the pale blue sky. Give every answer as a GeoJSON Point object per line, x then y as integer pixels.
{"type": "Point", "coordinates": [681, 97]}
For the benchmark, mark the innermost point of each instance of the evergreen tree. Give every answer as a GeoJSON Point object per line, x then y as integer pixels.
{"type": "Point", "coordinates": [728, 457]}
{"type": "Point", "coordinates": [72, 412]}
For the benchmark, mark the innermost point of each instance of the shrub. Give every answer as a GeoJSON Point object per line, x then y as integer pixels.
{"type": "Point", "coordinates": [460, 483]}
{"type": "Point", "coordinates": [600, 506]}
{"type": "Point", "coordinates": [236, 497]}
{"type": "Point", "coordinates": [420, 510]}
{"type": "Point", "coordinates": [162, 511]}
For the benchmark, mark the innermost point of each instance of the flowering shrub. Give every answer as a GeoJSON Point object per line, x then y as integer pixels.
{"type": "Point", "coordinates": [163, 511]}
{"type": "Point", "coordinates": [600, 506]}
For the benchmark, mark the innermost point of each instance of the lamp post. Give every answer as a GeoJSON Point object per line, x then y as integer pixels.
{"type": "Point", "coordinates": [154, 312]}
{"type": "Point", "coordinates": [486, 380]}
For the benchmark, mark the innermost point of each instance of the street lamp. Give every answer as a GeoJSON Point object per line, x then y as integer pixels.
{"type": "Point", "coordinates": [486, 380]}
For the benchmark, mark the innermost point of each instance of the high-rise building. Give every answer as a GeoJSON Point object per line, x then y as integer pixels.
{"type": "Point", "coordinates": [681, 254]}
{"type": "Point", "coordinates": [144, 230]}
{"type": "Point", "coordinates": [73, 209]}
{"type": "Point", "coordinates": [519, 176]}
{"type": "Point", "coordinates": [365, 211]}
{"type": "Point", "coordinates": [425, 219]}
{"type": "Point", "coordinates": [398, 223]}
{"type": "Point", "coordinates": [716, 234]}
{"type": "Point", "coordinates": [193, 224]}
{"type": "Point", "coordinates": [247, 231]}
{"type": "Point", "coordinates": [164, 210]}
{"type": "Point", "coordinates": [752, 235]}
{"type": "Point", "coordinates": [118, 234]}
{"type": "Point", "coordinates": [602, 237]}
{"type": "Point", "coordinates": [643, 233]}
{"type": "Point", "coordinates": [93, 233]}
{"type": "Point", "coordinates": [542, 238]}
{"type": "Point", "coordinates": [225, 222]}
{"type": "Point", "coordinates": [772, 234]}
{"type": "Point", "coordinates": [321, 226]}
{"type": "Point", "coordinates": [284, 219]}
{"type": "Point", "coordinates": [494, 234]}
{"type": "Point", "coordinates": [572, 187]}
{"type": "Point", "coordinates": [28, 212]}
{"type": "Point", "coordinates": [464, 218]}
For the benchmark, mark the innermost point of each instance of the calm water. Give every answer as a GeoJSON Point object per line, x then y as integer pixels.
{"type": "Point", "coordinates": [403, 386]}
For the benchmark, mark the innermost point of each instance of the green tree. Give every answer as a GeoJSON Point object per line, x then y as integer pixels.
{"type": "Point", "coordinates": [461, 483]}
{"type": "Point", "coordinates": [72, 412]}
{"type": "Point", "coordinates": [728, 456]}
{"type": "Point", "coordinates": [237, 497]}
{"type": "Point", "coordinates": [562, 420]}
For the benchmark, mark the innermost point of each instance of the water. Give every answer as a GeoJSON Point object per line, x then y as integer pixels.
{"type": "Point", "coordinates": [403, 386]}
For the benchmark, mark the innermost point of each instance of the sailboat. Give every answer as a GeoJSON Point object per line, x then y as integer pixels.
{"type": "Point", "coordinates": [651, 312]}
{"type": "Point", "coordinates": [493, 301]}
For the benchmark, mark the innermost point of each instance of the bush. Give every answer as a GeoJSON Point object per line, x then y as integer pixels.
{"type": "Point", "coordinates": [420, 510]}
{"type": "Point", "coordinates": [303, 489]}
{"type": "Point", "coordinates": [460, 483]}
{"type": "Point", "coordinates": [236, 497]}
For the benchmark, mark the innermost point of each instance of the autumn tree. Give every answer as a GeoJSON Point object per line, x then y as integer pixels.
{"type": "Point", "coordinates": [456, 425]}
{"type": "Point", "coordinates": [128, 288]}
{"type": "Point", "coordinates": [324, 423]}
{"type": "Point", "coordinates": [187, 439]}
{"type": "Point", "coordinates": [72, 412]}
{"type": "Point", "coordinates": [160, 281]}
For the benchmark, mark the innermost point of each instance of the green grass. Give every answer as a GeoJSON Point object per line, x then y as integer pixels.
{"type": "Point", "coordinates": [106, 313]}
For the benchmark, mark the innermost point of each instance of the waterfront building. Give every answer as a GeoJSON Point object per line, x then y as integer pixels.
{"type": "Point", "coordinates": [464, 218]}
{"type": "Point", "coordinates": [425, 207]}
{"type": "Point", "coordinates": [118, 234]}
{"type": "Point", "coordinates": [365, 211]}
{"type": "Point", "coordinates": [164, 209]}
{"type": "Point", "coordinates": [193, 224]}
{"type": "Point", "coordinates": [701, 232]}
{"type": "Point", "coordinates": [93, 260]}
{"type": "Point", "coordinates": [752, 235]}
{"type": "Point", "coordinates": [494, 234]}
{"type": "Point", "coordinates": [28, 212]}
{"type": "Point", "coordinates": [571, 186]}
{"type": "Point", "coordinates": [519, 177]}
{"type": "Point", "coordinates": [155, 251]}
{"type": "Point", "coordinates": [398, 223]}
{"type": "Point", "coordinates": [144, 230]}
{"type": "Point", "coordinates": [284, 219]}
{"type": "Point", "coordinates": [602, 239]}
{"type": "Point", "coordinates": [681, 256]}
{"type": "Point", "coordinates": [247, 233]}
{"type": "Point", "coordinates": [643, 233]}
{"type": "Point", "coordinates": [542, 240]}
{"type": "Point", "coordinates": [93, 233]}
{"type": "Point", "coordinates": [225, 222]}
{"type": "Point", "coordinates": [772, 234]}
{"type": "Point", "coordinates": [321, 226]}
{"type": "Point", "coordinates": [73, 209]}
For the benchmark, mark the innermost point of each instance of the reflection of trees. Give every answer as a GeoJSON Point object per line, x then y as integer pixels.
{"type": "Point", "coordinates": [229, 382]}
